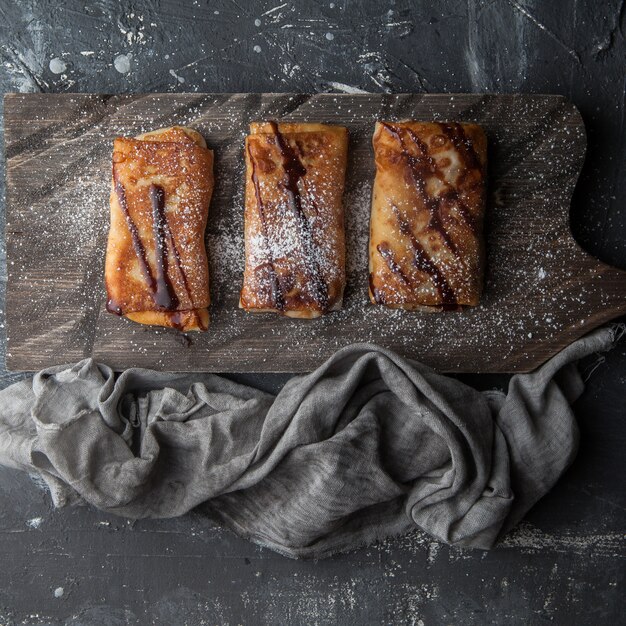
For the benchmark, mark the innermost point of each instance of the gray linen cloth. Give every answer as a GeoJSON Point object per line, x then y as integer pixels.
{"type": "Point", "coordinates": [368, 445]}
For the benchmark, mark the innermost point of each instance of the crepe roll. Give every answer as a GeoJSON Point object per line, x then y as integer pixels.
{"type": "Point", "coordinates": [156, 269]}
{"type": "Point", "coordinates": [426, 248]}
{"type": "Point", "coordinates": [293, 219]}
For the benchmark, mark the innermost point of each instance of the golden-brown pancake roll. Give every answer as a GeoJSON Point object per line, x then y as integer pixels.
{"type": "Point", "coordinates": [428, 203]}
{"type": "Point", "coordinates": [294, 222]}
{"type": "Point", "coordinates": [156, 269]}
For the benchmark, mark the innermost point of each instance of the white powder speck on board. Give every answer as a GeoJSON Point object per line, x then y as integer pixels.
{"type": "Point", "coordinates": [257, 22]}
{"type": "Point", "coordinates": [57, 66]}
{"type": "Point", "coordinates": [330, 36]}
{"type": "Point", "coordinates": [180, 79]}
{"type": "Point", "coordinates": [343, 88]}
{"type": "Point", "coordinates": [541, 273]}
{"type": "Point", "coordinates": [58, 592]}
{"type": "Point", "coordinates": [257, 48]}
{"type": "Point", "coordinates": [35, 522]}
{"type": "Point", "coordinates": [122, 63]}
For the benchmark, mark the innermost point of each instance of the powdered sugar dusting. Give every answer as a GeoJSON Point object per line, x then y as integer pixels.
{"type": "Point", "coordinates": [294, 229]}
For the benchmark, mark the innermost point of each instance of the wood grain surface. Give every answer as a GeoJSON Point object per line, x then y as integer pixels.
{"type": "Point", "coordinates": [542, 289]}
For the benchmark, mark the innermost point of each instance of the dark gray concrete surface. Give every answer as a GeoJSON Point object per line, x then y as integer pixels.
{"type": "Point", "coordinates": [565, 564]}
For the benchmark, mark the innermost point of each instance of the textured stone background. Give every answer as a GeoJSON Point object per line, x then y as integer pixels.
{"type": "Point", "coordinates": [565, 564]}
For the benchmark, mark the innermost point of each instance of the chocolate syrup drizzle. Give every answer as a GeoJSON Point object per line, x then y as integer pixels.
{"type": "Point", "coordinates": [450, 194]}
{"type": "Point", "coordinates": [164, 295]}
{"type": "Point", "coordinates": [425, 264]}
{"type": "Point", "coordinates": [294, 172]}
{"type": "Point", "coordinates": [457, 136]}
{"type": "Point", "coordinates": [177, 259]}
{"type": "Point", "coordinates": [163, 292]}
{"type": "Point", "coordinates": [278, 299]}
{"type": "Point", "coordinates": [114, 307]}
{"type": "Point", "coordinates": [387, 253]}
{"type": "Point", "coordinates": [140, 251]}
{"type": "Point", "coordinates": [420, 167]}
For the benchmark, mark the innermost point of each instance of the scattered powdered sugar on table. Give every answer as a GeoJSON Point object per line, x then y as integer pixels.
{"type": "Point", "coordinates": [357, 223]}
{"type": "Point", "coordinates": [530, 292]}
{"type": "Point", "coordinates": [228, 259]}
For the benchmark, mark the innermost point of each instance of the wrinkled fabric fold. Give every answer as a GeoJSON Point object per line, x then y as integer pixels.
{"type": "Point", "coordinates": [367, 446]}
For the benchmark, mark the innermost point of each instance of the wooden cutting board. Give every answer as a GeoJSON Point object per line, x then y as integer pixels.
{"type": "Point", "coordinates": [542, 290]}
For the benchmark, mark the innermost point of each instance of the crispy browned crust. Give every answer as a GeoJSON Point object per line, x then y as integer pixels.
{"type": "Point", "coordinates": [428, 203]}
{"type": "Point", "coordinates": [294, 223]}
{"type": "Point", "coordinates": [156, 269]}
